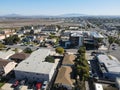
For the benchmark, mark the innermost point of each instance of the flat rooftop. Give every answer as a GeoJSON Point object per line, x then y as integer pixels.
{"type": "Point", "coordinates": [111, 63]}
{"type": "Point", "coordinates": [89, 33]}
{"type": "Point", "coordinates": [96, 35]}
{"type": "Point", "coordinates": [75, 34]}
{"type": "Point", "coordinates": [35, 63]}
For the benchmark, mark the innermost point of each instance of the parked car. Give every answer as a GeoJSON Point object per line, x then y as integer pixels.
{"type": "Point", "coordinates": [96, 53]}
{"type": "Point", "coordinates": [95, 76]}
{"type": "Point", "coordinates": [113, 44]}
{"type": "Point", "coordinates": [31, 45]}
{"type": "Point", "coordinates": [114, 48]}
{"type": "Point", "coordinates": [44, 85]}
{"type": "Point", "coordinates": [90, 74]}
{"type": "Point", "coordinates": [22, 82]}
{"type": "Point", "coordinates": [38, 86]}
{"type": "Point", "coordinates": [93, 53]}
{"type": "Point", "coordinates": [16, 83]}
{"type": "Point", "coordinates": [31, 86]}
{"type": "Point", "coordinates": [89, 62]}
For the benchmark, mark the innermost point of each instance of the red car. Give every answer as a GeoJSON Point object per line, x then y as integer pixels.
{"type": "Point", "coordinates": [16, 83]}
{"type": "Point", "coordinates": [38, 86]}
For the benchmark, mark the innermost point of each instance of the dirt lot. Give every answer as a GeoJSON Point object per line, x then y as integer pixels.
{"type": "Point", "coordinates": [11, 23]}
{"type": "Point", "coordinates": [19, 22]}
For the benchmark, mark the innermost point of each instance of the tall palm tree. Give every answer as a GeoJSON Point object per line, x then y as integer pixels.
{"type": "Point", "coordinates": [118, 34]}
{"type": "Point", "coordinates": [110, 40]}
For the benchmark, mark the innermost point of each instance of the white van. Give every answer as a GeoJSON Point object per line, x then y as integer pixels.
{"type": "Point", "coordinates": [98, 86]}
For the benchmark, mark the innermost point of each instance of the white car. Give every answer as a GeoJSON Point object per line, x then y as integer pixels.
{"type": "Point", "coordinates": [114, 48]}
{"type": "Point", "coordinates": [44, 85]}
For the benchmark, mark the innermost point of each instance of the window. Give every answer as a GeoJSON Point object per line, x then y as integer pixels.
{"type": "Point", "coordinates": [37, 74]}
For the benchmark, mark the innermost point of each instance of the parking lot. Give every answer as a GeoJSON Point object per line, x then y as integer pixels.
{"type": "Point", "coordinates": [7, 86]}
{"type": "Point", "coordinates": [20, 85]}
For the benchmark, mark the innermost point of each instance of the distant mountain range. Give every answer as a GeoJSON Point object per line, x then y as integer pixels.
{"type": "Point", "coordinates": [56, 16]}
{"type": "Point", "coordinates": [63, 15]}
{"type": "Point", "coordinates": [71, 15]}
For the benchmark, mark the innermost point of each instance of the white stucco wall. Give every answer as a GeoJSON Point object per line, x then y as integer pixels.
{"type": "Point", "coordinates": [10, 66]}
{"type": "Point", "coordinates": [31, 76]}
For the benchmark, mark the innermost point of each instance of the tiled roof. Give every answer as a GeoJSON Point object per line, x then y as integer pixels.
{"type": "Point", "coordinates": [68, 59]}
{"type": "Point", "coordinates": [19, 56]}
{"type": "Point", "coordinates": [64, 76]}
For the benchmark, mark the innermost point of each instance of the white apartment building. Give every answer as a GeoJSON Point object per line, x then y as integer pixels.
{"type": "Point", "coordinates": [34, 68]}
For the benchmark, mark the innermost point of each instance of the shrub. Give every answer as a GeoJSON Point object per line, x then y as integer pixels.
{"type": "Point", "coordinates": [59, 50]}
{"type": "Point", "coordinates": [50, 59]}
{"type": "Point", "coordinates": [27, 50]}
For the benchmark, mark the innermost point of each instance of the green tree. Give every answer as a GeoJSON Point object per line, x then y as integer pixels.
{"type": "Point", "coordinates": [82, 50]}
{"type": "Point", "coordinates": [12, 39]}
{"type": "Point", "coordinates": [16, 50]}
{"type": "Point", "coordinates": [59, 27]}
{"type": "Point", "coordinates": [117, 41]}
{"type": "Point", "coordinates": [50, 59]}
{"type": "Point", "coordinates": [27, 50]}
{"type": "Point", "coordinates": [59, 50]}
{"type": "Point", "coordinates": [2, 46]}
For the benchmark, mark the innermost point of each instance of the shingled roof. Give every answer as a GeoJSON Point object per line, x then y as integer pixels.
{"type": "Point", "coordinates": [19, 56]}
{"type": "Point", "coordinates": [64, 76]}
{"type": "Point", "coordinates": [69, 59]}
{"type": "Point", "coordinates": [3, 62]}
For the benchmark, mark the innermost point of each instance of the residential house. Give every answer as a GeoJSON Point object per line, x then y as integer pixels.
{"type": "Point", "coordinates": [6, 54]}
{"type": "Point", "coordinates": [18, 57]}
{"type": "Point", "coordinates": [64, 78]}
{"type": "Point", "coordinates": [6, 66]}
{"type": "Point", "coordinates": [6, 33]}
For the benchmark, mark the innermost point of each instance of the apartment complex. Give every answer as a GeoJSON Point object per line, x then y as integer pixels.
{"type": "Point", "coordinates": [34, 68]}
{"type": "Point", "coordinates": [109, 66]}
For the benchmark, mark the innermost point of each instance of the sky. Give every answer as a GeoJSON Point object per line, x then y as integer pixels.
{"type": "Point", "coordinates": [58, 7]}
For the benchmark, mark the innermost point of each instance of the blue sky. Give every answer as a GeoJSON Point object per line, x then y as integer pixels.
{"type": "Point", "coordinates": [56, 7]}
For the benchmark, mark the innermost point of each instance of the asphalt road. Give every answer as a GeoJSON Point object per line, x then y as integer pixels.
{"type": "Point", "coordinates": [21, 47]}
{"type": "Point", "coordinates": [116, 52]}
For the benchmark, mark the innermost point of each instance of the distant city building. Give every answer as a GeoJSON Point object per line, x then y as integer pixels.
{"type": "Point", "coordinates": [73, 28]}
{"type": "Point", "coordinates": [50, 29]}
{"type": "Point", "coordinates": [76, 38]}
{"type": "Point", "coordinates": [79, 38]}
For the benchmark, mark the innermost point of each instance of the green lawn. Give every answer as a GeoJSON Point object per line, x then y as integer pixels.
{"type": "Point", "coordinates": [1, 84]}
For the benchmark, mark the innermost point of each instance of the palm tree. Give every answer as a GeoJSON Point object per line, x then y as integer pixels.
{"type": "Point", "coordinates": [118, 34]}
{"type": "Point", "coordinates": [110, 40]}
